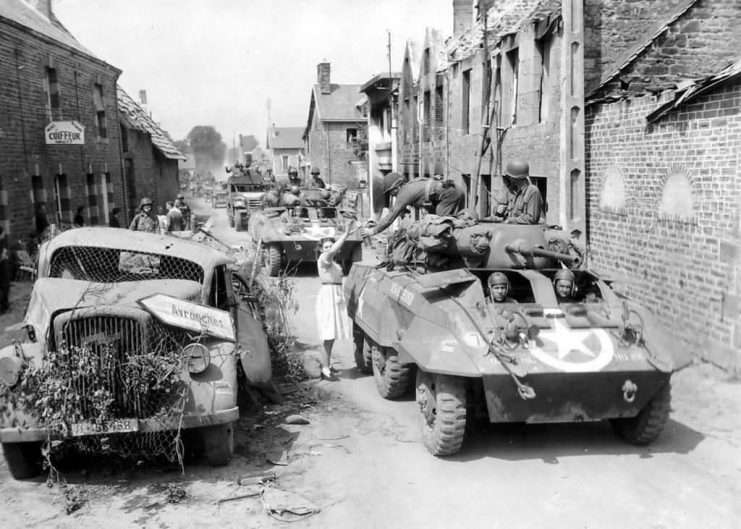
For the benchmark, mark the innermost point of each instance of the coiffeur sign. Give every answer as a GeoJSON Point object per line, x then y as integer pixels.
{"type": "Point", "coordinates": [191, 316]}
{"type": "Point", "coordinates": [65, 133]}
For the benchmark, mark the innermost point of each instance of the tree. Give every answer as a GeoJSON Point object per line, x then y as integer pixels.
{"type": "Point", "coordinates": [207, 146]}
{"type": "Point", "coordinates": [183, 146]}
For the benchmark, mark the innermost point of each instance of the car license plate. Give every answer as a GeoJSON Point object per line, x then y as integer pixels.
{"type": "Point", "coordinates": [113, 426]}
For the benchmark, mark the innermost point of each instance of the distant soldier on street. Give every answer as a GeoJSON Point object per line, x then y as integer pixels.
{"type": "Point", "coordinates": [175, 221]}
{"type": "Point", "coordinates": [145, 220]}
{"type": "Point", "coordinates": [184, 208]}
{"type": "Point", "coordinates": [316, 179]}
{"type": "Point", "coordinates": [114, 221]}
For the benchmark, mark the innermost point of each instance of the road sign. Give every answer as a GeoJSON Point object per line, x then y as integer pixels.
{"type": "Point", "coordinates": [187, 315]}
{"type": "Point", "coordinates": [65, 133]}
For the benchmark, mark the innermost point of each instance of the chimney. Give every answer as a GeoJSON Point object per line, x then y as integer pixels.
{"type": "Point", "coordinates": [462, 16]}
{"type": "Point", "coordinates": [143, 97]}
{"type": "Point", "coordinates": [43, 6]}
{"type": "Point", "coordinates": [322, 78]}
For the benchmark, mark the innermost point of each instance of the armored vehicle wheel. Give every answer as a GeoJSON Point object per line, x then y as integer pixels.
{"type": "Point", "coordinates": [646, 427]}
{"type": "Point", "coordinates": [363, 360]}
{"type": "Point", "coordinates": [442, 412]}
{"type": "Point", "coordinates": [218, 442]}
{"type": "Point", "coordinates": [273, 259]}
{"type": "Point", "coordinates": [24, 459]}
{"type": "Point", "coordinates": [393, 378]}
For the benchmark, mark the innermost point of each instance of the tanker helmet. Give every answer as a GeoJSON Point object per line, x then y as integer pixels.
{"type": "Point", "coordinates": [518, 169]}
{"type": "Point", "coordinates": [145, 202]}
{"type": "Point", "coordinates": [563, 282]}
{"type": "Point", "coordinates": [498, 287]}
{"type": "Point", "coordinates": [295, 190]}
{"type": "Point", "coordinates": [391, 181]}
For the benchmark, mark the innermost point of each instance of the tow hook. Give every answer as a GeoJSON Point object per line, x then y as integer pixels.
{"type": "Point", "coordinates": [629, 391]}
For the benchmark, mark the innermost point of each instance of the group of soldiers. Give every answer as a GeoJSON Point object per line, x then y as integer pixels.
{"type": "Point", "coordinates": [564, 286]}
{"type": "Point", "coordinates": [443, 197]}
{"type": "Point", "coordinates": [175, 216]}
{"type": "Point", "coordinates": [292, 196]}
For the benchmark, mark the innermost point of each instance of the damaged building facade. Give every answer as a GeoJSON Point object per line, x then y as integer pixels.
{"type": "Point", "coordinates": [58, 125]}
{"type": "Point", "coordinates": [626, 113]}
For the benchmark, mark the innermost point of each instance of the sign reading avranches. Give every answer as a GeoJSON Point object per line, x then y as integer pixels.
{"type": "Point", "coordinates": [187, 315]}
{"type": "Point", "coordinates": [65, 133]}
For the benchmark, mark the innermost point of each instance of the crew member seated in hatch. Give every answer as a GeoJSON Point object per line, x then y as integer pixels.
{"type": "Point", "coordinates": [499, 287]}
{"type": "Point", "coordinates": [563, 284]}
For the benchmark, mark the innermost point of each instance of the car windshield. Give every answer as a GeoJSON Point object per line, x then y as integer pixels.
{"type": "Point", "coordinates": [112, 265]}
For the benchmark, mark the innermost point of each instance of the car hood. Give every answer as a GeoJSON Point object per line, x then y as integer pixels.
{"type": "Point", "coordinates": [51, 295]}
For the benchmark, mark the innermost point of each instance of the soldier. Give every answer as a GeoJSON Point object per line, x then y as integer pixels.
{"type": "Point", "coordinates": [446, 198]}
{"type": "Point", "coordinates": [525, 204]}
{"type": "Point", "coordinates": [293, 177]}
{"type": "Point", "coordinates": [563, 283]}
{"type": "Point", "coordinates": [499, 286]}
{"type": "Point", "coordinates": [5, 271]}
{"type": "Point", "coordinates": [175, 221]}
{"type": "Point", "coordinates": [317, 181]}
{"type": "Point", "coordinates": [145, 220]}
{"type": "Point", "coordinates": [184, 208]}
{"type": "Point", "coordinates": [115, 222]}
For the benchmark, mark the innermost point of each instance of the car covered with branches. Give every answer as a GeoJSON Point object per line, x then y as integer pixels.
{"type": "Point", "coordinates": [134, 342]}
{"type": "Point", "coordinates": [289, 234]}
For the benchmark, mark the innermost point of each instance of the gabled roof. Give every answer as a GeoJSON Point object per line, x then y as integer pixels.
{"type": "Point", "coordinates": [136, 118]}
{"type": "Point", "coordinates": [339, 104]}
{"type": "Point", "coordinates": [640, 47]}
{"type": "Point", "coordinates": [691, 90]}
{"type": "Point", "coordinates": [22, 13]}
{"type": "Point", "coordinates": [285, 138]}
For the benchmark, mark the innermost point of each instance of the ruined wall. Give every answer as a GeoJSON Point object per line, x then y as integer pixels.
{"type": "Point", "coordinates": [23, 59]}
{"type": "Point", "coordinates": [664, 206]}
{"type": "Point", "coordinates": [331, 152]}
{"type": "Point", "coordinates": [701, 42]}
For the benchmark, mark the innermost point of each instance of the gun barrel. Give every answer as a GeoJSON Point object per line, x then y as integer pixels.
{"type": "Point", "coordinates": [568, 260]}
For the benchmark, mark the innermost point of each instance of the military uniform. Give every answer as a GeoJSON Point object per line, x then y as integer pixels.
{"type": "Point", "coordinates": [145, 222]}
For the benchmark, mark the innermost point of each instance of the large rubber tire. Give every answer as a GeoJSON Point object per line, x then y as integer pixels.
{"type": "Point", "coordinates": [24, 459]}
{"type": "Point", "coordinates": [273, 259]}
{"type": "Point", "coordinates": [646, 427]}
{"type": "Point", "coordinates": [393, 379]}
{"type": "Point", "coordinates": [218, 444]}
{"type": "Point", "coordinates": [441, 400]}
{"type": "Point", "coordinates": [363, 360]}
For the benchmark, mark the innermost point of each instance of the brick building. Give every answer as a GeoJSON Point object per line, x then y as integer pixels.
{"type": "Point", "coordinates": [663, 133]}
{"type": "Point", "coordinates": [47, 76]}
{"type": "Point", "coordinates": [335, 125]}
{"type": "Point", "coordinates": [150, 158]}
{"type": "Point", "coordinates": [285, 146]}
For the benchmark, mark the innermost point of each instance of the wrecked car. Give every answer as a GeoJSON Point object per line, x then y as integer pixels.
{"type": "Point", "coordinates": [130, 334]}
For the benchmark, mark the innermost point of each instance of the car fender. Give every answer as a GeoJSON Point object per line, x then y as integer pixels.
{"type": "Point", "coordinates": [253, 350]}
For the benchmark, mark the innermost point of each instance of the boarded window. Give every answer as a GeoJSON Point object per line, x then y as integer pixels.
{"type": "Point", "coordinates": [613, 196]}
{"type": "Point", "coordinates": [53, 97]}
{"type": "Point", "coordinates": [543, 59]}
{"type": "Point", "coordinates": [99, 104]}
{"type": "Point", "coordinates": [676, 198]}
{"type": "Point", "coordinates": [513, 66]}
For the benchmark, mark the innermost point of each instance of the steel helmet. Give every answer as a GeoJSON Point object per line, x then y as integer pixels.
{"type": "Point", "coordinates": [292, 170]}
{"type": "Point", "coordinates": [180, 196]}
{"type": "Point", "coordinates": [145, 202]}
{"type": "Point", "coordinates": [391, 181]}
{"type": "Point", "coordinates": [295, 190]}
{"type": "Point", "coordinates": [314, 170]}
{"type": "Point", "coordinates": [518, 169]}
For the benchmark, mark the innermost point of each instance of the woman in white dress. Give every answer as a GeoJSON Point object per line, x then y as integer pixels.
{"type": "Point", "coordinates": [332, 320]}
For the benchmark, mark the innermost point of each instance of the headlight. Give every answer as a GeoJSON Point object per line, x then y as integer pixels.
{"type": "Point", "coordinates": [239, 203]}
{"type": "Point", "coordinates": [10, 370]}
{"type": "Point", "coordinates": [198, 357]}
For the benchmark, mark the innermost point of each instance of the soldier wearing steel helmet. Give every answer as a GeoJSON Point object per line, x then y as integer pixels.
{"type": "Point", "coordinates": [316, 179]}
{"type": "Point", "coordinates": [145, 220]}
{"type": "Point", "coordinates": [525, 205]}
{"type": "Point", "coordinates": [499, 287]}
{"type": "Point", "coordinates": [565, 286]}
{"type": "Point", "coordinates": [447, 199]}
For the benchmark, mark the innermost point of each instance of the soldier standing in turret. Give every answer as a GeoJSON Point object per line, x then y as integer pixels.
{"type": "Point", "coordinates": [525, 205]}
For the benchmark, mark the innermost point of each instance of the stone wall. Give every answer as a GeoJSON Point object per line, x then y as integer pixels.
{"type": "Point", "coordinates": [664, 209]}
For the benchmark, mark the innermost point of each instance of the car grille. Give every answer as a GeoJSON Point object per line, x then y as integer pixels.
{"type": "Point", "coordinates": [113, 338]}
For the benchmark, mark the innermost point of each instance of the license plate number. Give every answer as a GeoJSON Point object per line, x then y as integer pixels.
{"type": "Point", "coordinates": [114, 426]}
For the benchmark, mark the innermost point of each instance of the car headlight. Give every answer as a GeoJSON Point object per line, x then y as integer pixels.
{"type": "Point", "coordinates": [198, 356]}
{"type": "Point", "coordinates": [10, 370]}
{"type": "Point", "coordinates": [239, 203]}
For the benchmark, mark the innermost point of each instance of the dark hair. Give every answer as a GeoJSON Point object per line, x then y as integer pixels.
{"type": "Point", "coordinates": [318, 249]}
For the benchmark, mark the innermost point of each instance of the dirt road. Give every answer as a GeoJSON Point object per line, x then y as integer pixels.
{"type": "Point", "coordinates": [361, 461]}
